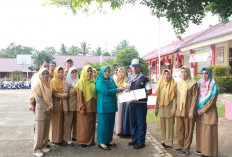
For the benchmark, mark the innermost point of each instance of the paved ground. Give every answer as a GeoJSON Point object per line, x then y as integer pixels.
{"type": "Point", "coordinates": [16, 134]}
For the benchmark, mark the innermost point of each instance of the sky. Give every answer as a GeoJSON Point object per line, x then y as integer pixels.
{"type": "Point", "coordinates": [28, 23]}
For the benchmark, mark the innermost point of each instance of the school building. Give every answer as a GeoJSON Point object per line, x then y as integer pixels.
{"type": "Point", "coordinates": [208, 47]}
{"type": "Point", "coordinates": [8, 65]}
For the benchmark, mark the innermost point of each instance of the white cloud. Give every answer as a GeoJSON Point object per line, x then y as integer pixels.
{"type": "Point", "coordinates": [28, 23]}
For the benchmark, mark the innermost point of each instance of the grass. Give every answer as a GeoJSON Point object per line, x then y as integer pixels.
{"type": "Point", "coordinates": [221, 110]}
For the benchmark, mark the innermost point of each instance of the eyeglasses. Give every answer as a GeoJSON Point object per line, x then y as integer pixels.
{"type": "Point", "coordinates": [45, 73]}
{"type": "Point", "coordinates": [206, 73]}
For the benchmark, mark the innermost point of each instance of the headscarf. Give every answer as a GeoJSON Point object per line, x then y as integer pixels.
{"type": "Point", "coordinates": [121, 81]}
{"type": "Point", "coordinates": [165, 90]}
{"type": "Point", "coordinates": [43, 88]}
{"type": "Point", "coordinates": [69, 80]}
{"type": "Point", "coordinates": [57, 84]}
{"type": "Point", "coordinates": [208, 89]}
{"type": "Point", "coordinates": [108, 81]}
{"type": "Point", "coordinates": [86, 84]}
{"type": "Point", "coordinates": [183, 86]}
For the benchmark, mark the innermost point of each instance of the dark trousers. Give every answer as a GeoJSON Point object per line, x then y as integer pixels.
{"type": "Point", "coordinates": [138, 124]}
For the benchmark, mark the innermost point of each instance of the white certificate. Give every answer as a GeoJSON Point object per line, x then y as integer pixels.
{"type": "Point", "coordinates": [132, 95]}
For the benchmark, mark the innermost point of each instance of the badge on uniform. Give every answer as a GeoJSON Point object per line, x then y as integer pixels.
{"type": "Point", "coordinates": [141, 83]}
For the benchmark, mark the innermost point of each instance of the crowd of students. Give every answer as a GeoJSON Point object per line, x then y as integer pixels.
{"type": "Point", "coordinates": [66, 108]}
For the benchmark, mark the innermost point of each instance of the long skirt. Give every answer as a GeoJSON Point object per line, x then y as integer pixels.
{"type": "Point", "coordinates": [41, 134]}
{"type": "Point", "coordinates": [126, 120]}
{"type": "Point", "coordinates": [56, 132]}
{"type": "Point", "coordinates": [86, 128]}
{"type": "Point", "coordinates": [207, 139]}
{"type": "Point", "coordinates": [105, 127]}
{"type": "Point", "coordinates": [118, 119]}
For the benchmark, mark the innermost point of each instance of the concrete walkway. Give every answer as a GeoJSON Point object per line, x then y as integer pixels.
{"type": "Point", "coordinates": [16, 134]}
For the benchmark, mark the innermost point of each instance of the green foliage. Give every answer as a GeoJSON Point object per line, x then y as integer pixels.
{"type": "Point", "coordinates": [224, 83]}
{"type": "Point", "coordinates": [197, 78]}
{"type": "Point", "coordinates": [24, 79]}
{"type": "Point", "coordinates": [125, 56]}
{"type": "Point", "coordinates": [41, 56]}
{"type": "Point", "coordinates": [97, 66]}
{"type": "Point", "coordinates": [180, 13]}
{"type": "Point", "coordinates": [221, 110]}
{"type": "Point", "coordinates": [16, 75]}
{"type": "Point", "coordinates": [106, 54]}
{"type": "Point", "coordinates": [85, 49]}
{"type": "Point", "coordinates": [63, 50]}
{"type": "Point", "coordinates": [74, 50]}
{"type": "Point", "coordinates": [13, 50]}
{"type": "Point", "coordinates": [122, 45]}
{"type": "Point", "coordinates": [99, 51]}
{"type": "Point", "coordinates": [8, 79]}
{"type": "Point", "coordinates": [221, 70]}
{"type": "Point", "coordinates": [50, 50]}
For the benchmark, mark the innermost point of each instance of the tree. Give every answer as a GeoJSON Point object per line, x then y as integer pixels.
{"type": "Point", "coordinates": [125, 56]}
{"type": "Point", "coordinates": [74, 50]}
{"type": "Point", "coordinates": [122, 45]}
{"type": "Point", "coordinates": [50, 50]}
{"type": "Point", "coordinates": [97, 66]}
{"type": "Point", "coordinates": [16, 74]}
{"type": "Point", "coordinates": [39, 57]}
{"type": "Point", "coordinates": [63, 50]}
{"type": "Point", "coordinates": [13, 50]}
{"type": "Point", "coordinates": [84, 50]}
{"type": "Point", "coordinates": [106, 54]}
{"type": "Point", "coordinates": [179, 12]}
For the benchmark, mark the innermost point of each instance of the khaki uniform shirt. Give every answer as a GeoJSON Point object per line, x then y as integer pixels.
{"type": "Point", "coordinates": [70, 104]}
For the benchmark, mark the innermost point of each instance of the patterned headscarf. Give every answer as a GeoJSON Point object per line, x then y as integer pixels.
{"type": "Point", "coordinates": [208, 89]}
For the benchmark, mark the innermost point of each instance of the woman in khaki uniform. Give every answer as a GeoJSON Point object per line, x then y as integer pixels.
{"type": "Point", "coordinates": [70, 106]}
{"type": "Point", "coordinates": [86, 108]}
{"type": "Point", "coordinates": [187, 95]}
{"type": "Point", "coordinates": [207, 120]}
{"type": "Point", "coordinates": [57, 118]}
{"type": "Point", "coordinates": [165, 105]}
{"type": "Point", "coordinates": [43, 96]}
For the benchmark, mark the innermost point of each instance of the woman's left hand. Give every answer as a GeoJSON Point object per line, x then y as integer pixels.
{"type": "Point", "coordinates": [82, 112]}
{"type": "Point", "coordinates": [190, 116]}
{"type": "Point", "coordinates": [48, 110]}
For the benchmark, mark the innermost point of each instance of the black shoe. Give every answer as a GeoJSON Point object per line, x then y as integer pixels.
{"type": "Point", "coordinates": [179, 150]}
{"type": "Point", "coordinates": [163, 144]}
{"type": "Point", "coordinates": [138, 146]}
{"type": "Point", "coordinates": [167, 147]}
{"type": "Point", "coordinates": [83, 146]}
{"type": "Point", "coordinates": [132, 143]}
{"type": "Point", "coordinates": [104, 148]}
{"type": "Point", "coordinates": [111, 145]}
{"type": "Point", "coordinates": [73, 139]}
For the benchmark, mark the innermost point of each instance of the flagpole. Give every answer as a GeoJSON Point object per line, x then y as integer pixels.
{"type": "Point", "coordinates": [159, 45]}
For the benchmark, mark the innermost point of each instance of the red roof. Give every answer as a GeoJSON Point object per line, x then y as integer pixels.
{"type": "Point", "coordinates": [210, 33]}
{"type": "Point", "coordinates": [10, 64]}
{"type": "Point", "coordinates": [80, 61]}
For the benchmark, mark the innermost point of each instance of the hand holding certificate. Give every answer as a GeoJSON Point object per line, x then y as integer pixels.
{"type": "Point", "coordinates": [132, 95]}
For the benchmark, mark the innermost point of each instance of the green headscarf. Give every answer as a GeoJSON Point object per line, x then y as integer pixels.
{"type": "Point", "coordinates": [108, 81]}
{"type": "Point", "coordinates": [86, 84]}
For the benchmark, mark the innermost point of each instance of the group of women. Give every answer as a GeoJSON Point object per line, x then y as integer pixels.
{"type": "Point", "coordinates": [66, 108]}
{"type": "Point", "coordinates": [188, 102]}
